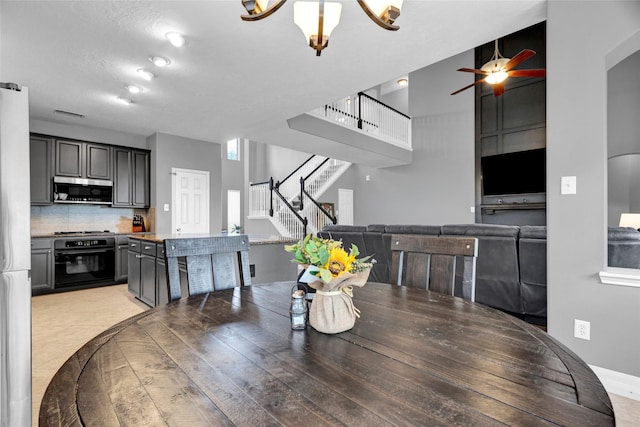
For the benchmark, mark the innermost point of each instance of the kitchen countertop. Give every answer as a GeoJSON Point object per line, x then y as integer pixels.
{"type": "Point", "coordinates": [108, 233]}
{"type": "Point", "coordinates": [253, 239]}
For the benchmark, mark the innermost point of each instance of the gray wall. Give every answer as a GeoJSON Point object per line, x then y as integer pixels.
{"type": "Point", "coordinates": [438, 186]}
{"type": "Point", "coordinates": [170, 151]}
{"type": "Point", "coordinates": [579, 37]}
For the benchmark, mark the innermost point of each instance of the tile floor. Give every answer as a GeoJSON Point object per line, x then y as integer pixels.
{"type": "Point", "coordinates": [62, 323]}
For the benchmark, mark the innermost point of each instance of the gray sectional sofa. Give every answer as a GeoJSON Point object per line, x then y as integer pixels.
{"type": "Point", "coordinates": [511, 270]}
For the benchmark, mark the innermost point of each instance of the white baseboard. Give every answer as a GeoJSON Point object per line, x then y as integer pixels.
{"type": "Point", "coordinates": [618, 383]}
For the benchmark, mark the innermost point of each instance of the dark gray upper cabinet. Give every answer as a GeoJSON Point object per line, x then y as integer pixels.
{"type": "Point", "coordinates": [41, 170]}
{"type": "Point", "coordinates": [69, 158]}
{"type": "Point", "coordinates": [83, 160]}
{"type": "Point", "coordinates": [98, 161]}
{"type": "Point", "coordinates": [131, 177]}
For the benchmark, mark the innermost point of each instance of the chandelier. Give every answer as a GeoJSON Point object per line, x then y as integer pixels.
{"type": "Point", "coordinates": [317, 19]}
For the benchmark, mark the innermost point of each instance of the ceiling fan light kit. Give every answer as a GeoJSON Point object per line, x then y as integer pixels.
{"type": "Point", "coordinates": [498, 69]}
{"type": "Point", "coordinates": [317, 19]}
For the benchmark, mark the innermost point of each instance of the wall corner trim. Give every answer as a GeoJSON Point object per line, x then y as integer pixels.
{"type": "Point", "coordinates": [618, 383]}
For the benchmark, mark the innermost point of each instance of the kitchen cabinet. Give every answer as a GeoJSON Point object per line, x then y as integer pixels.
{"type": "Point", "coordinates": [162, 293]}
{"type": "Point", "coordinates": [41, 155]}
{"type": "Point", "coordinates": [148, 272]}
{"type": "Point", "coordinates": [80, 159]}
{"type": "Point", "coordinates": [142, 270]}
{"type": "Point", "coordinates": [41, 265]}
{"type": "Point", "coordinates": [122, 258]}
{"type": "Point", "coordinates": [133, 267]}
{"type": "Point", "coordinates": [131, 178]}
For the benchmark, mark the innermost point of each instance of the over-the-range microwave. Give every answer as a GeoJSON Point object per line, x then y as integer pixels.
{"type": "Point", "coordinates": [82, 190]}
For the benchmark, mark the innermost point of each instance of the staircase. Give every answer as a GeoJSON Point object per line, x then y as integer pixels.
{"type": "Point", "coordinates": [288, 214]}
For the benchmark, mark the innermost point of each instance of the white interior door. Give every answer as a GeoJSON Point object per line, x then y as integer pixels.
{"type": "Point", "coordinates": [190, 189]}
{"type": "Point", "coordinates": [345, 206]}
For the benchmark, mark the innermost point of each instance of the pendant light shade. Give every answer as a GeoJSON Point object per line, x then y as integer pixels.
{"type": "Point", "coordinates": [317, 20]}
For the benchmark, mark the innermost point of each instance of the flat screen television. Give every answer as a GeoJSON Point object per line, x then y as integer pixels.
{"type": "Point", "coordinates": [514, 173]}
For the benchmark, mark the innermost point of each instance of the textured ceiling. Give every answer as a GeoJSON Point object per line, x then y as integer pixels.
{"type": "Point", "coordinates": [233, 78]}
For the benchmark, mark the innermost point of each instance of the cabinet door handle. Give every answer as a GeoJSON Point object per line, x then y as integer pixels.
{"type": "Point", "coordinates": [146, 248]}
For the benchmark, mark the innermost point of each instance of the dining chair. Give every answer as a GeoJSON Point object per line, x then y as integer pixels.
{"type": "Point", "coordinates": [210, 263]}
{"type": "Point", "coordinates": [430, 262]}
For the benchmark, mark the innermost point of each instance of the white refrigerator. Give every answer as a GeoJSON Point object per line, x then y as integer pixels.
{"type": "Point", "coordinates": [15, 258]}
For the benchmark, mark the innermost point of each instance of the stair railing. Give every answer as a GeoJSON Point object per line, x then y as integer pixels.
{"type": "Point", "coordinates": [369, 115]}
{"type": "Point", "coordinates": [293, 215]}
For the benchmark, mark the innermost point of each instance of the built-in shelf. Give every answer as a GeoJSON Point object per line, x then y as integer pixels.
{"type": "Point", "coordinates": [513, 206]}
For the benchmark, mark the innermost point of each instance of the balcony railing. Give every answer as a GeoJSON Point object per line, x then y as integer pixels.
{"type": "Point", "coordinates": [370, 116]}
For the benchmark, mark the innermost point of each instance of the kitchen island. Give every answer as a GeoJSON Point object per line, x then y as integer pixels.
{"type": "Point", "coordinates": [147, 270]}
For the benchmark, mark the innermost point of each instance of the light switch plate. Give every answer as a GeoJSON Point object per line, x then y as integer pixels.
{"type": "Point", "coordinates": [568, 185]}
{"type": "Point", "coordinates": [166, 207]}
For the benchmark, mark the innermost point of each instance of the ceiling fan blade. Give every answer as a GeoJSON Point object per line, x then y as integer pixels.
{"type": "Point", "coordinates": [519, 58]}
{"type": "Point", "coordinates": [498, 89]}
{"type": "Point", "coordinates": [467, 87]}
{"type": "Point", "coordinates": [527, 73]}
{"type": "Point", "coordinates": [473, 70]}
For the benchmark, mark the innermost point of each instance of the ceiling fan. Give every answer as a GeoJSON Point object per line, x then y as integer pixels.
{"type": "Point", "coordinates": [499, 68]}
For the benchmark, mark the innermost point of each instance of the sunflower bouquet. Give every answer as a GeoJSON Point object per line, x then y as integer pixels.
{"type": "Point", "coordinates": [338, 271]}
{"type": "Point", "coordinates": [328, 256]}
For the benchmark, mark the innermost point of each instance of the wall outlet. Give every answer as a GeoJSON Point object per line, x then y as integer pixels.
{"type": "Point", "coordinates": [582, 329]}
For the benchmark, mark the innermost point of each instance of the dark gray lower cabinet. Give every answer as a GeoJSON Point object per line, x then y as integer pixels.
{"type": "Point", "coordinates": [41, 265]}
{"type": "Point", "coordinates": [148, 272]}
{"type": "Point", "coordinates": [122, 258]}
{"type": "Point", "coordinates": [134, 268]}
{"type": "Point", "coordinates": [148, 278]}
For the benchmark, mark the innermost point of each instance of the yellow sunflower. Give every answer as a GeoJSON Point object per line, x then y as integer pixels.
{"type": "Point", "coordinates": [339, 262]}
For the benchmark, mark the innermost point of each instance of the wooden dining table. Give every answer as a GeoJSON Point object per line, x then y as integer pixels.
{"type": "Point", "coordinates": [413, 358]}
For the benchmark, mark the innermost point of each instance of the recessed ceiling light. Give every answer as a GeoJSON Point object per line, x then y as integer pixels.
{"type": "Point", "coordinates": [134, 89]}
{"type": "Point", "coordinates": [159, 61]}
{"type": "Point", "coordinates": [147, 75]}
{"type": "Point", "coordinates": [403, 82]}
{"type": "Point", "coordinates": [175, 39]}
{"type": "Point", "coordinates": [125, 101]}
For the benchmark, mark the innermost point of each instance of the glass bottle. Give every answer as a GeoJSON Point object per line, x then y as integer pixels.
{"type": "Point", "coordinates": [298, 310]}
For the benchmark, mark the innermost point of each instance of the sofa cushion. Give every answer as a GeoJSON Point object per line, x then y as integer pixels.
{"type": "Point", "coordinates": [533, 232]}
{"type": "Point", "coordinates": [533, 269]}
{"type": "Point", "coordinates": [433, 230]}
{"type": "Point", "coordinates": [340, 227]}
{"type": "Point", "coordinates": [378, 246]}
{"type": "Point", "coordinates": [478, 230]}
{"type": "Point", "coordinates": [376, 228]}
{"type": "Point", "coordinates": [623, 248]}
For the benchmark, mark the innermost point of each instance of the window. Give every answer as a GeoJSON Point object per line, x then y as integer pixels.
{"type": "Point", "coordinates": [233, 149]}
{"type": "Point", "coordinates": [233, 210]}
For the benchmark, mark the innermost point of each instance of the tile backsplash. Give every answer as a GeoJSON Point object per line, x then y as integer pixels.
{"type": "Point", "coordinates": [49, 219]}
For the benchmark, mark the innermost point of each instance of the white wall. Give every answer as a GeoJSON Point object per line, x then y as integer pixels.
{"type": "Point", "coordinates": [438, 186]}
{"type": "Point", "coordinates": [580, 34]}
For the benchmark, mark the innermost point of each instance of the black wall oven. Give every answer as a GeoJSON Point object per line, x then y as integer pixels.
{"type": "Point", "coordinates": [84, 261]}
